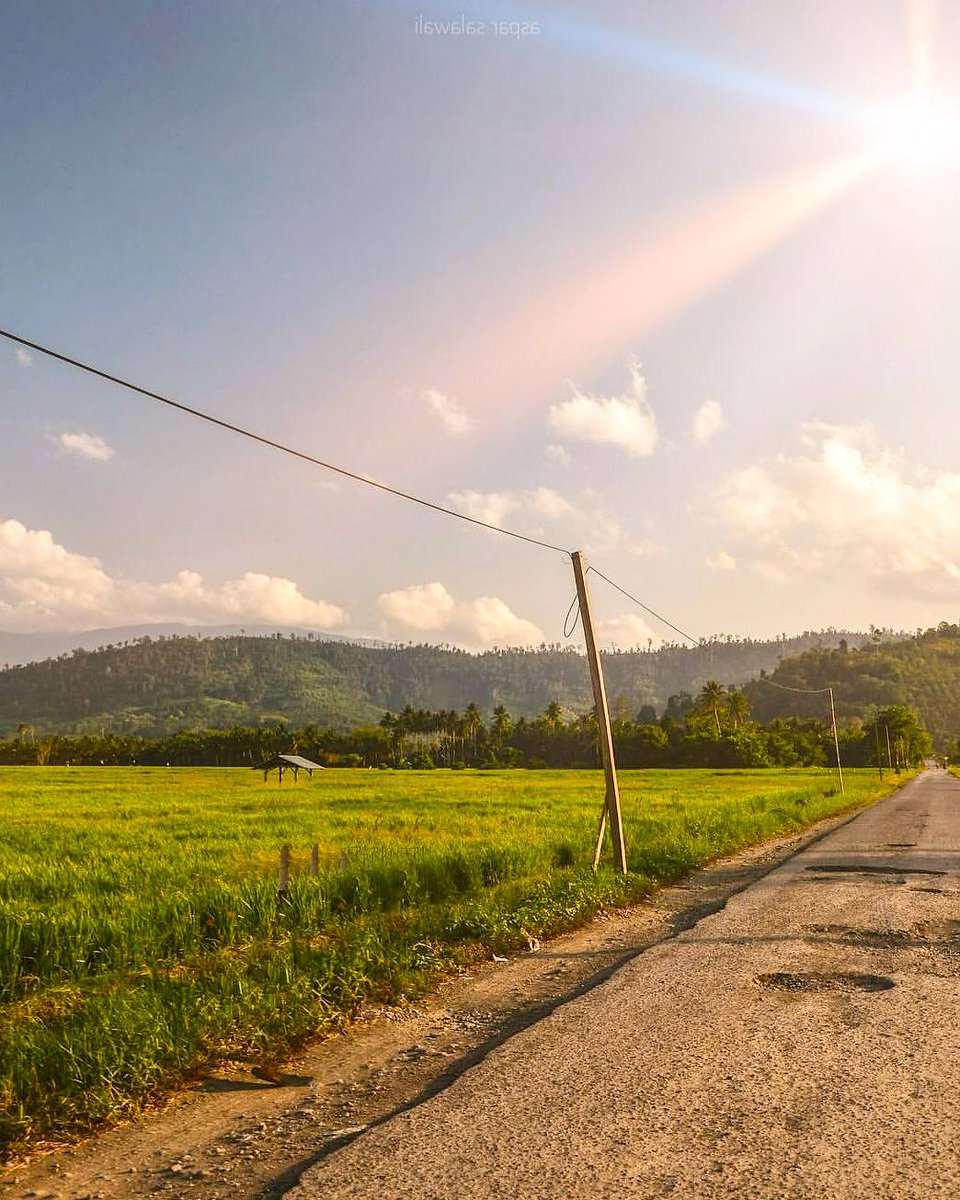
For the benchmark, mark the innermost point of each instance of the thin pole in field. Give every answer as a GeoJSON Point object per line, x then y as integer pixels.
{"type": "Point", "coordinates": [611, 807]}
{"type": "Point", "coordinates": [283, 879]}
{"type": "Point", "coordinates": [876, 732]}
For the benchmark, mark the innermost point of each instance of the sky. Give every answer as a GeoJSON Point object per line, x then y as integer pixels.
{"type": "Point", "coordinates": [673, 284]}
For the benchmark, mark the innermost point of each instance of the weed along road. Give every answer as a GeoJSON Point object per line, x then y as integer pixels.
{"type": "Point", "coordinates": [804, 1041]}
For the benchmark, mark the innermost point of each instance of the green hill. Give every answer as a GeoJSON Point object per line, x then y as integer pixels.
{"type": "Point", "coordinates": [157, 685]}
{"type": "Point", "coordinates": [922, 671]}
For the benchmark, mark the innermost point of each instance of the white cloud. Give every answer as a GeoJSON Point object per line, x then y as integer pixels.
{"type": "Point", "coordinates": [85, 445]}
{"type": "Point", "coordinates": [45, 586]}
{"type": "Point", "coordinates": [448, 412]}
{"type": "Point", "coordinates": [843, 506]}
{"type": "Point", "coordinates": [721, 561]}
{"type": "Point", "coordinates": [475, 624]}
{"type": "Point", "coordinates": [558, 454]}
{"type": "Point", "coordinates": [544, 513]}
{"type": "Point", "coordinates": [492, 507]}
{"type": "Point", "coordinates": [623, 421]}
{"type": "Point", "coordinates": [427, 608]}
{"type": "Point", "coordinates": [24, 357]}
{"type": "Point", "coordinates": [545, 502]}
{"type": "Point", "coordinates": [627, 631]}
{"type": "Point", "coordinates": [495, 507]}
{"type": "Point", "coordinates": [707, 420]}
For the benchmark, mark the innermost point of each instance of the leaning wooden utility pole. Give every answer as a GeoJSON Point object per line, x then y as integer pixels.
{"type": "Point", "coordinates": [611, 808]}
{"type": "Point", "coordinates": [836, 739]}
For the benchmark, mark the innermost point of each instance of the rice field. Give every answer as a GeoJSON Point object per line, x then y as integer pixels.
{"type": "Point", "coordinates": [142, 937]}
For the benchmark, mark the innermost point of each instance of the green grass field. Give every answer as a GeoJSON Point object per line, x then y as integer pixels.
{"type": "Point", "coordinates": [141, 937]}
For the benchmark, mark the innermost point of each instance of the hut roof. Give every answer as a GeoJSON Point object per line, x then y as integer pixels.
{"type": "Point", "coordinates": [290, 760]}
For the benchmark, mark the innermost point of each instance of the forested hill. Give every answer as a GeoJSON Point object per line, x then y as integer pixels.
{"type": "Point", "coordinates": [157, 685]}
{"type": "Point", "coordinates": [921, 671]}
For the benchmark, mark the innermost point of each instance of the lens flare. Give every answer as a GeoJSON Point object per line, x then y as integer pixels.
{"type": "Point", "coordinates": [918, 133]}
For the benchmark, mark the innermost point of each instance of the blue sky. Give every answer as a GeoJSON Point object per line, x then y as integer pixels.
{"type": "Point", "coordinates": [651, 280]}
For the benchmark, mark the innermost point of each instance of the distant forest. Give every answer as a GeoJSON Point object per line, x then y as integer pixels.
{"type": "Point", "coordinates": [157, 686]}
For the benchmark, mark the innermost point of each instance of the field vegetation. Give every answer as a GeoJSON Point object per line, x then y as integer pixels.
{"type": "Point", "coordinates": [142, 937]}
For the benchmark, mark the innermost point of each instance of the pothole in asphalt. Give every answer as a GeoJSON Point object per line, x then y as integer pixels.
{"type": "Point", "coordinates": [938, 931]}
{"type": "Point", "coordinates": [882, 939]}
{"type": "Point", "coordinates": [825, 981]}
{"type": "Point", "coordinates": [868, 869]}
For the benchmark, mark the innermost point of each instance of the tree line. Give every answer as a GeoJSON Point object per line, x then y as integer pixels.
{"type": "Point", "coordinates": [715, 728]}
{"type": "Point", "coordinates": [155, 686]}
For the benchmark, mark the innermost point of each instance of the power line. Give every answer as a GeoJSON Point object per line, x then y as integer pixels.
{"type": "Point", "coordinates": [786, 688]}
{"type": "Point", "coordinates": [640, 604]}
{"type": "Point", "coordinates": [265, 441]}
{"type": "Point", "coordinates": [200, 415]}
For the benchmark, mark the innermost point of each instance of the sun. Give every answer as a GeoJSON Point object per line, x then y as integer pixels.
{"type": "Point", "coordinates": [919, 132]}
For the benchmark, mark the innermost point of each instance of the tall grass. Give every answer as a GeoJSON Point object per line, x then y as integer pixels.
{"type": "Point", "coordinates": [141, 935]}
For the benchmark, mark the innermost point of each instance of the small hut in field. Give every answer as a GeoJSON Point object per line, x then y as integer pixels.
{"type": "Point", "coordinates": [288, 762]}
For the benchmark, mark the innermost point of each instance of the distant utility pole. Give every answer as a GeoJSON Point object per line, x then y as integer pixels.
{"type": "Point", "coordinates": [611, 808]}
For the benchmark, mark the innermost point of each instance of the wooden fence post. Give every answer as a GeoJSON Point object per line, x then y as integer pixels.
{"type": "Point", "coordinates": [283, 880]}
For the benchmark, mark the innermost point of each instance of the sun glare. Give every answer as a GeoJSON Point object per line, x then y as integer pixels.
{"type": "Point", "coordinates": [919, 133]}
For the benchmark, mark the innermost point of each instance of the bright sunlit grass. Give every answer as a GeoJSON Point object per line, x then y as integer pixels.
{"type": "Point", "coordinates": [141, 934]}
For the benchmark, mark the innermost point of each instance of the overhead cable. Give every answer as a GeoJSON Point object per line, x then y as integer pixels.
{"type": "Point", "coordinates": [274, 445]}
{"type": "Point", "coordinates": [640, 604]}
{"type": "Point", "coordinates": [786, 688]}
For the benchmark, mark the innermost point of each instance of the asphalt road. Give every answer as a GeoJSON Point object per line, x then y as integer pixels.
{"type": "Point", "coordinates": [802, 1042]}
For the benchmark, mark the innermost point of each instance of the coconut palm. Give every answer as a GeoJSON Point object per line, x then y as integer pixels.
{"type": "Point", "coordinates": [738, 705]}
{"type": "Point", "coordinates": [471, 724]}
{"type": "Point", "coordinates": [711, 697]}
{"type": "Point", "coordinates": [553, 716]}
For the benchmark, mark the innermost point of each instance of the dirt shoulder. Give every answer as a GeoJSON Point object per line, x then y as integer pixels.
{"type": "Point", "coordinates": [233, 1135]}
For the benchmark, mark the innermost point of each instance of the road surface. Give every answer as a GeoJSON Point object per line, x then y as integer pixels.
{"type": "Point", "coordinates": [802, 1042]}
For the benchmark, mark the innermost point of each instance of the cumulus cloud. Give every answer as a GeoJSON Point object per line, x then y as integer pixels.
{"type": "Point", "coordinates": [475, 624]}
{"type": "Point", "coordinates": [495, 507]}
{"type": "Point", "coordinates": [24, 357]}
{"type": "Point", "coordinates": [843, 502]}
{"type": "Point", "coordinates": [707, 420]}
{"type": "Point", "coordinates": [623, 421]}
{"type": "Point", "coordinates": [558, 454]}
{"type": "Point", "coordinates": [492, 507]}
{"type": "Point", "coordinates": [449, 413]}
{"type": "Point", "coordinates": [43, 585]}
{"type": "Point", "coordinates": [543, 512]}
{"type": "Point", "coordinates": [627, 632]}
{"type": "Point", "coordinates": [85, 445]}
{"type": "Point", "coordinates": [426, 607]}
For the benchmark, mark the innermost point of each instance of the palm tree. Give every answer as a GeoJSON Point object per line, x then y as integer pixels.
{"type": "Point", "coordinates": [472, 723]}
{"type": "Point", "coordinates": [711, 697]}
{"type": "Point", "coordinates": [553, 716]}
{"type": "Point", "coordinates": [502, 727]}
{"type": "Point", "coordinates": [739, 705]}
